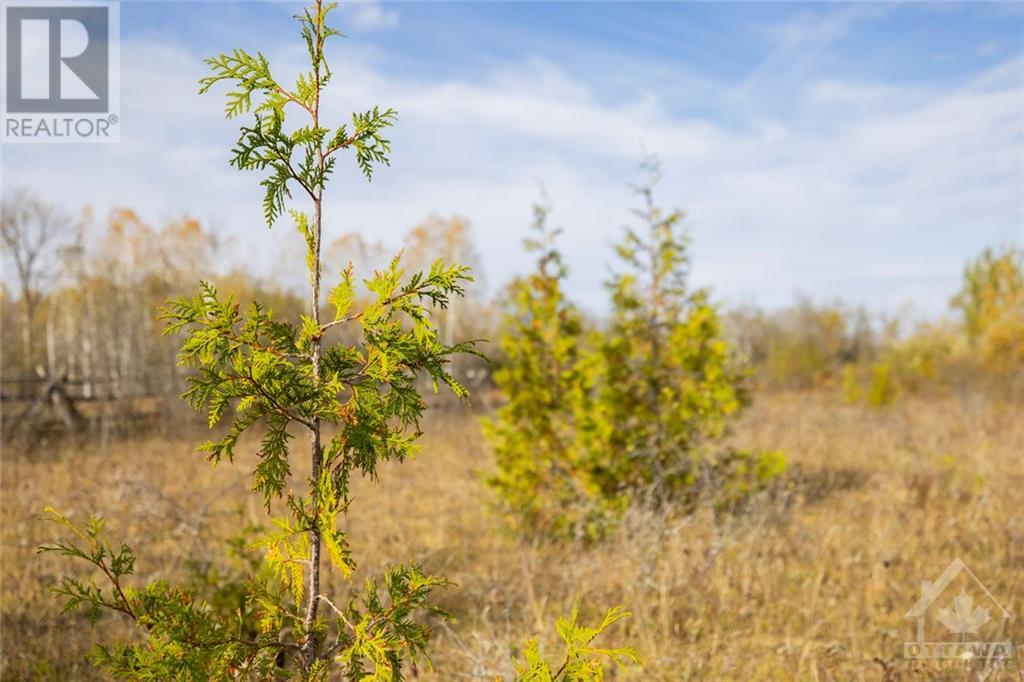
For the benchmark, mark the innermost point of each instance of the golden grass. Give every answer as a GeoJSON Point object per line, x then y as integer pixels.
{"type": "Point", "coordinates": [812, 584]}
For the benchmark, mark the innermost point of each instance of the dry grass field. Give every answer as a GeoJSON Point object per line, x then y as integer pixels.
{"type": "Point", "coordinates": [811, 584]}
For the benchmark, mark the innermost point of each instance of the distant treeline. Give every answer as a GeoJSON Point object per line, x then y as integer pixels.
{"type": "Point", "coordinates": [978, 345]}
{"type": "Point", "coordinates": [82, 295]}
{"type": "Point", "coordinates": [85, 293]}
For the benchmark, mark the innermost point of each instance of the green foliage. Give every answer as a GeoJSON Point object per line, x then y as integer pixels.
{"type": "Point", "coordinates": [252, 370]}
{"type": "Point", "coordinates": [95, 549]}
{"type": "Point", "coordinates": [182, 638]}
{"type": "Point", "coordinates": [542, 473]}
{"type": "Point", "coordinates": [599, 421]}
{"type": "Point", "coordinates": [366, 138]}
{"type": "Point", "coordinates": [668, 383]}
{"type": "Point", "coordinates": [583, 661]}
{"type": "Point", "coordinates": [186, 637]}
{"type": "Point", "coordinates": [382, 633]}
{"type": "Point", "coordinates": [263, 619]}
{"type": "Point", "coordinates": [305, 155]}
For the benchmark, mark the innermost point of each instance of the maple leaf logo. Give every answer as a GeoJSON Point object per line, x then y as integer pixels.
{"type": "Point", "coordinates": [961, 618]}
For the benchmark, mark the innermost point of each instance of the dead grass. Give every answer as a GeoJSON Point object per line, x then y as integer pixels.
{"type": "Point", "coordinates": [812, 584]}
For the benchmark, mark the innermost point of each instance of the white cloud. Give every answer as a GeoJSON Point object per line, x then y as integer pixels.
{"type": "Point", "coordinates": [861, 190]}
{"type": "Point", "coordinates": [369, 16]}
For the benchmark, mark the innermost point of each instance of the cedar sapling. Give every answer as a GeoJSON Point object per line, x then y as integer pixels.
{"type": "Point", "coordinates": [252, 369]}
{"type": "Point", "coordinates": [669, 385]}
{"type": "Point", "coordinates": [629, 414]}
{"type": "Point", "coordinates": [540, 478]}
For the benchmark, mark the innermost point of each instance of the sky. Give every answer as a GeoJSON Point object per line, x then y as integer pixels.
{"type": "Point", "coordinates": [861, 152]}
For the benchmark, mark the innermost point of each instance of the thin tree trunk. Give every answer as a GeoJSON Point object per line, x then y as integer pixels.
{"type": "Point", "coordinates": [51, 341]}
{"type": "Point", "coordinates": [26, 331]}
{"type": "Point", "coordinates": [87, 329]}
{"type": "Point", "coordinates": [313, 595]}
{"type": "Point", "coordinates": [69, 333]}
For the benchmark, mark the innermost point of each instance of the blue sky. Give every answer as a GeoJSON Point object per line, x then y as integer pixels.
{"type": "Point", "coordinates": [855, 151]}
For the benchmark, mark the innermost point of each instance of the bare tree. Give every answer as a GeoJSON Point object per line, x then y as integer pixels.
{"type": "Point", "coordinates": [33, 233]}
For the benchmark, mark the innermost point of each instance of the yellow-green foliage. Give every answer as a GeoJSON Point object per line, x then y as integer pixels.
{"type": "Point", "coordinates": [875, 384]}
{"type": "Point", "coordinates": [541, 474]}
{"type": "Point", "coordinates": [852, 391]}
{"type": "Point", "coordinates": [583, 661]}
{"type": "Point", "coordinates": [665, 385]}
{"type": "Point", "coordinates": [250, 368]}
{"type": "Point", "coordinates": [882, 389]}
{"type": "Point", "coordinates": [596, 422]}
{"type": "Point", "coordinates": [741, 473]}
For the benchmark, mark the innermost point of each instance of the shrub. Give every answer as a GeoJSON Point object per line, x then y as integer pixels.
{"type": "Point", "coordinates": [853, 392]}
{"type": "Point", "coordinates": [668, 385]}
{"type": "Point", "coordinates": [737, 475]}
{"type": "Point", "coordinates": [875, 384]}
{"type": "Point", "coordinates": [882, 390]}
{"type": "Point", "coordinates": [924, 358]}
{"type": "Point", "coordinates": [595, 423]}
{"type": "Point", "coordinates": [541, 475]}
